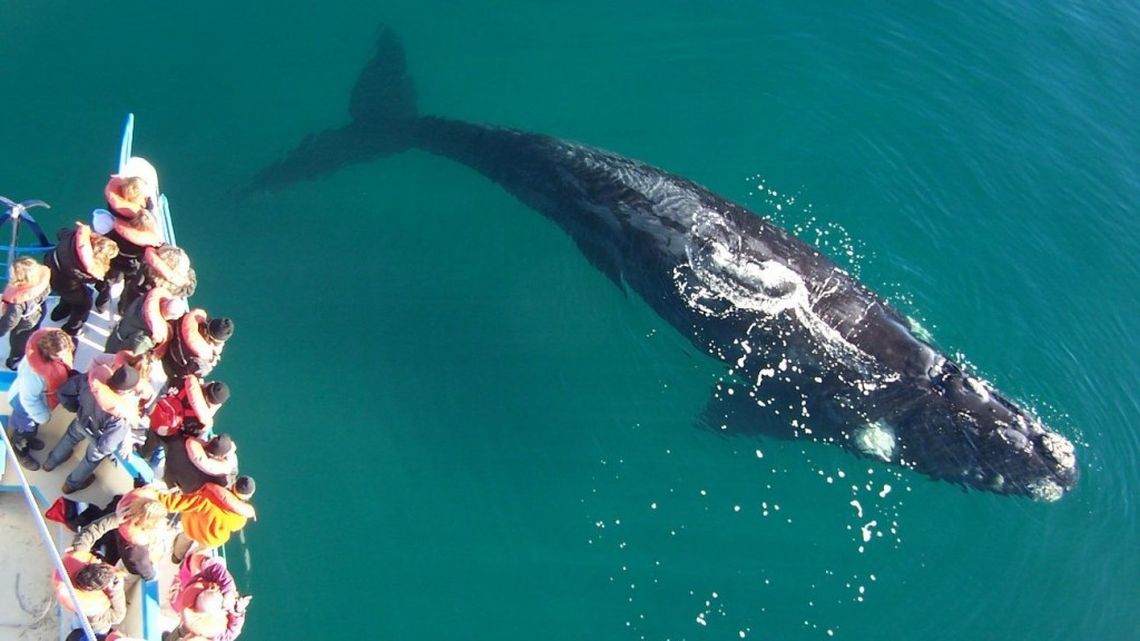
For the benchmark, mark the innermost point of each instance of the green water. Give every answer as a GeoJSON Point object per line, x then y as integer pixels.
{"type": "Point", "coordinates": [461, 430]}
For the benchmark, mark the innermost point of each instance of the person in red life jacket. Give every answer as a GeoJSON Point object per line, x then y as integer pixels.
{"type": "Point", "coordinates": [187, 409]}
{"type": "Point", "coordinates": [167, 267]}
{"type": "Point", "coordinates": [98, 587]}
{"type": "Point", "coordinates": [137, 526]}
{"type": "Point", "coordinates": [196, 344]}
{"type": "Point", "coordinates": [80, 258]}
{"type": "Point", "coordinates": [106, 407]}
{"type": "Point", "coordinates": [22, 305]}
{"type": "Point", "coordinates": [209, 515]}
{"type": "Point", "coordinates": [135, 228]}
{"type": "Point", "coordinates": [192, 462]}
{"type": "Point", "coordinates": [46, 366]}
{"type": "Point", "coordinates": [206, 599]}
{"type": "Point", "coordinates": [144, 326]}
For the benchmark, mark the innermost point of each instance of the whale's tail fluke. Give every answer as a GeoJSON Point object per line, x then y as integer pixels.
{"type": "Point", "coordinates": [383, 116]}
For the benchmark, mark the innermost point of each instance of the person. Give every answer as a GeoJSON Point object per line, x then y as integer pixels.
{"type": "Point", "coordinates": [22, 305]}
{"type": "Point", "coordinates": [47, 364]}
{"type": "Point", "coordinates": [106, 407]}
{"type": "Point", "coordinates": [130, 533]}
{"type": "Point", "coordinates": [98, 588]}
{"type": "Point", "coordinates": [187, 409]}
{"type": "Point", "coordinates": [196, 344]}
{"type": "Point", "coordinates": [143, 327]}
{"type": "Point", "coordinates": [80, 258]}
{"type": "Point", "coordinates": [135, 228]}
{"type": "Point", "coordinates": [207, 601]}
{"type": "Point", "coordinates": [166, 266]}
{"type": "Point", "coordinates": [209, 515]}
{"type": "Point", "coordinates": [192, 462]}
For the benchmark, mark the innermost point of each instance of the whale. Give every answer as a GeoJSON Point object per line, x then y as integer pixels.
{"type": "Point", "coordinates": [817, 353]}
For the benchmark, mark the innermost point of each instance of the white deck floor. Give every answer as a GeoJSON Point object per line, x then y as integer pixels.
{"type": "Point", "coordinates": [27, 604]}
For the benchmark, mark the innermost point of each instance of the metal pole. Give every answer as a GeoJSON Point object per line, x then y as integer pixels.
{"type": "Point", "coordinates": [49, 543]}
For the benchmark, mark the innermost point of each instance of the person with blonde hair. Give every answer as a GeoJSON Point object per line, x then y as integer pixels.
{"type": "Point", "coordinates": [22, 304]}
{"type": "Point", "coordinates": [136, 530]}
{"type": "Point", "coordinates": [81, 258]}
{"type": "Point", "coordinates": [135, 227]}
{"type": "Point", "coordinates": [47, 364]}
{"type": "Point", "coordinates": [167, 267]}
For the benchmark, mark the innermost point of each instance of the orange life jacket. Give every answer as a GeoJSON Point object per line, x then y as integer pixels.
{"type": "Point", "coordinates": [86, 252]}
{"type": "Point", "coordinates": [199, 458]}
{"type": "Point", "coordinates": [159, 267]}
{"type": "Point", "coordinates": [109, 400]}
{"type": "Point", "coordinates": [92, 602]}
{"type": "Point", "coordinates": [35, 288]}
{"type": "Point", "coordinates": [54, 372]}
{"type": "Point", "coordinates": [142, 231]}
{"type": "Point", "coordinates": [119, 204]}
{"type": "Point", "coordinates": [206, 624]}
{"type": "Point", "coordinates": [191, 330]}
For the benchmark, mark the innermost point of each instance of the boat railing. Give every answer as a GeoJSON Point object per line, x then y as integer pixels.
{"type": "Point", "coordinates": [18, 213]}
{"type": "Point", "coordinates": [41, 525]}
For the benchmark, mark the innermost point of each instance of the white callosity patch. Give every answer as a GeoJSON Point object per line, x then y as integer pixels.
{"type": "Point", "coordinates": [1060, 449]}
{"type": "Point", "coordinates": [1046, 490]}
{"type": "Point", "coordinates": [876, 439]}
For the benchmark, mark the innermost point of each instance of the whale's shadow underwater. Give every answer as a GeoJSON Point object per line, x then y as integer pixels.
{"type": "Point", "coordinates": [794, 328]}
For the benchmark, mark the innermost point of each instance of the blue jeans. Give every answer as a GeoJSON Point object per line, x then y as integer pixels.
{"type": "Point", "coordinates": [20, 422]}
{"type": "Point", "coordinates": [62, 451]}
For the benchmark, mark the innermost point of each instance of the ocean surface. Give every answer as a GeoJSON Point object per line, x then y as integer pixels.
{"type": "Point", "coordinates": [461, 430]}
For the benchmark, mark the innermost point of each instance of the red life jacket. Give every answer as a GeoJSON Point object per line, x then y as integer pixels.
{"type": "Point", "coordinates": [92, 602]}
{"type": "Point", "coordinates": [54, 372]}
{"type": "Point", "coordinates": [189, 401]}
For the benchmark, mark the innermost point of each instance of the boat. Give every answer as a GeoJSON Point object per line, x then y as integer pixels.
{"type": "Point", "coordinates": [30, 545]}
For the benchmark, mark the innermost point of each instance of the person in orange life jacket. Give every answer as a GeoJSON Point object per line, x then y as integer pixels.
{"type": "Point", "coordinates": [187, 409]}
{"type": "Point", "coordinates": [98, 586]}
{"type": "Point", "coordinates": [192, 462]}
{"type": "Point", "coordinates": [22, 306]}
{"type": "Point", "coordinates": [135, 229]}
{"type": "Point", "coordinates": [206, 598]}
{"type": "Point", "coordinates": [80, 258]}
{"type": "Point", "coordinates": [196, 344]}
{"type": "Point", "coordinates": [209, 515]}
{"type": "Point", "coordinates": [143, 327]}
{"type": "Point", "coordinates": [46, 366]}
{"type": "Point", "coordinates": [138, 525]}
{"type": "Point", "coordinates": [106, 407]}
{"type": "Point", "coordinates": [167, 267]}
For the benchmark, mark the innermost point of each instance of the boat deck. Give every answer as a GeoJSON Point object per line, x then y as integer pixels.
{"type": "Point", "coordinates": [27, 603]}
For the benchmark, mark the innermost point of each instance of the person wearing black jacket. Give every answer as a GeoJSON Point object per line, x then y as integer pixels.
{"type": "Point", "coordinates": [80, 259]}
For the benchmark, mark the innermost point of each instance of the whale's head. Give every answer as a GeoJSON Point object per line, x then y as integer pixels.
{"type": "Point", "coordinates": [998, 446]}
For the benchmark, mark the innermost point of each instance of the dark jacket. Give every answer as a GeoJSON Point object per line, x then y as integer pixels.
{"type": "Point", "coordinates": [131, 333]}
{"type": "Point", "coordinates": [64, 262]}
{"type": "Point", "coordinates": [181, 471]}
{"type": "Point", "coordinates": [108, 431]}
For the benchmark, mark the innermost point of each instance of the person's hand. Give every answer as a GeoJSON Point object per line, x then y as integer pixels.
{"type": "Point", "coordinates": [243, 603]}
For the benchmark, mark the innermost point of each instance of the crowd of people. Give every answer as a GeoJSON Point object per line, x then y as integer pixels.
{"type": "Point", "coordinates": [147, 393]}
